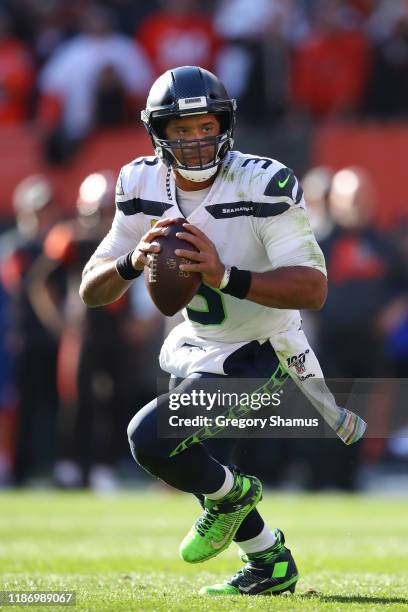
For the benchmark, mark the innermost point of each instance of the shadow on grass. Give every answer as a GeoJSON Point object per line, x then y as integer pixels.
{"type": "Point", "coordinates": [348, 599]}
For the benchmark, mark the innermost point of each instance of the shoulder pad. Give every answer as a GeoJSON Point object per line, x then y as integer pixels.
{"type": "Point", "coordinates": [130, 174]}
{"type": "Point", "coordinates": [135, 188]}
{"type": "Point", "coordinates": [246, 167]}
{"type": "Point", "coordinates": [148, 160]}
{"type": "Point", "coordinates": [255, 161]}
{"type": "Point", "coordinates": [283, 184]}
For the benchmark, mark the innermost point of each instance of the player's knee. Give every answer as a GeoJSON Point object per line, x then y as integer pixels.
{"type": "Point", "coordinates": [143, 438]}
{"type": "Point", "coordinates": [135, 438]}
{"type": "Point", "coordinates": [131, 428]}
{"type": "Point", "coordinates": [142, 433]}
{"type": "Point", "coordinates": [138, 450]}
{"type": "Point", "coordinates": [149, 464]}
{"type": "Point", "coordinates": [143, 452]}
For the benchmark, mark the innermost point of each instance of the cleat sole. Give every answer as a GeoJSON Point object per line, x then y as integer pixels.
{"type": "Point", "coordinates": [290, 585]}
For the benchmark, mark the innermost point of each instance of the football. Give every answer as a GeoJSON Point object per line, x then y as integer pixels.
{"type": "Point", "coordinates": [170, 288]}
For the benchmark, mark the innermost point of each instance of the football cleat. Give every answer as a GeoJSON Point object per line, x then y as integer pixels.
{"type": "Point", "coordinates": [270, 572]}
{"type": "Point", "coordinates": [221, 519]}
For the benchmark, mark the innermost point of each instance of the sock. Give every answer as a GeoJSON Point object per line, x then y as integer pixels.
{"type": "Point", "coordinates": [251, 526]}
{"type": "Point", "coordinates": [261, 542]}
{"type": "Point", "coordinates": [225, 487]}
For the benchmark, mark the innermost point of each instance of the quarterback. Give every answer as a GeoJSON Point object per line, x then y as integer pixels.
{"type": "Point", "coordinates": [259, 263]}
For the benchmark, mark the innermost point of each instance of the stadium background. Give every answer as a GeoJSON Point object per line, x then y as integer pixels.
{"type": "Point", "coordinates": [321, 85]}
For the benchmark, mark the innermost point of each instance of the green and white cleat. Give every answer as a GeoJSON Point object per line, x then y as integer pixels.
{"type": "Point", "coordinates": [270, 572]}
{"type": "Point", "coordinates": [221, 519]}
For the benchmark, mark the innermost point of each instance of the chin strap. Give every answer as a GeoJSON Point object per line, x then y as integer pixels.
{"type": "Point", "coordinates": [197, 176]}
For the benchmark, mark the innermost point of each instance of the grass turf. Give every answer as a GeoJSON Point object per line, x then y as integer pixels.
{"type": "Point", "coordinates": [121, 552]}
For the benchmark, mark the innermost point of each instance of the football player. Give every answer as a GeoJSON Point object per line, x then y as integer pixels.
{"type": "Point", "coordinates": [259, 263]}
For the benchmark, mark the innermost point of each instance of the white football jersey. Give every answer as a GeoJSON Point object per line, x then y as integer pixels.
{"type": "Point", "coordinates": [255, 215]}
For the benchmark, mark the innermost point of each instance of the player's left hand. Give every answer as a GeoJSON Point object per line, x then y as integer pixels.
{"type": "Point", "coordinates": [206, 261]}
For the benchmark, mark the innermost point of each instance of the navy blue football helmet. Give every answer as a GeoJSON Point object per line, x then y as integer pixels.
{"type": "Point", "coordinates": [182, 92]}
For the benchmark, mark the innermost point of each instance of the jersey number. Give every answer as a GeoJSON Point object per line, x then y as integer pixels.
{"type": "Point", "coordinates": [214, 311]}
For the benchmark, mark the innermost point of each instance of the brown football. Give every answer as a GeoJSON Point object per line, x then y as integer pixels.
{"type": "Point", "coordinates": [170, 288]}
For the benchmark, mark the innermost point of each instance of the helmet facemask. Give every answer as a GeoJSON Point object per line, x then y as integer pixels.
{"type": "Point", "coordinates": [195, 159]}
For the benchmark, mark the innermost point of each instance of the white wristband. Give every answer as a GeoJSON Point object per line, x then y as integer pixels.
{"type": "Point", "coordinates": [225, 278]}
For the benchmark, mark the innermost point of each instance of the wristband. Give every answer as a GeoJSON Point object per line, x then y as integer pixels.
{"type": "Point", "coordinates": [125, 269]}
{"type": "Point", "coordinates": [238, 283]}
{"type": "Point", "coordinates": [225, 278]}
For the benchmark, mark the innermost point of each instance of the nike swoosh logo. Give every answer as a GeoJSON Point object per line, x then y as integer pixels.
{"type": "Point", "coordinates": [250, 587]}
{"type": "Point", "coordinates": [217, 545]}
{"type": "Point", "coordinates": [283, 183]}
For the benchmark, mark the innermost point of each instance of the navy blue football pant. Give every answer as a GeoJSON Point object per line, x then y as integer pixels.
{"type": "Point", "coordinates": [196, 469]}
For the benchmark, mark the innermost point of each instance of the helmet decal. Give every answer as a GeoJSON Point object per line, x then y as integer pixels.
{"type": "Point", "coordinates": [189, 103]}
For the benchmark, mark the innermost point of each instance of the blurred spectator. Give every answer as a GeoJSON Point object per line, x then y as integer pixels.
{"type": "Point", "coordinates": [179, 34]}
{"type": "Point", "coordinates": [44, 25]}
{"type": "Point", "coordinates": [95, 382]}
{"type": "Point", "coordinates": [330, 66]}
{"type": "Point", "coordinates": [130, 13]}
{"type": "Point", "coordinates": [244, 20]}
{"type": "Point", "coordinates": [255, 64]}
{"type": "Point", "coordinates": [367, 280]}
{"type": "Point", "coordinates": [84, 72]}
{"type": "Point", "coordinates": [397, 329]}
{"type": "Point", "coordinates": [316, 187]}
{"type": "Point", "coordinates": [387, 89]}
{"type": "Point", "coordinates": [33, 348]}
{"type": "Point", "coordinates": [368, 284]}
{"type": "Point", "coordinates": [51, 24]}
{"type": "Point", "coordinates": [16, 75]}
{"type": "Point", "coordinates": [368, 288]}
{"type": "Point", "coordinates": [7, 399]}
{"type": "Point", "coordinates": [396, 346]}
{"type": "Point", "coordinates": [112, 106]}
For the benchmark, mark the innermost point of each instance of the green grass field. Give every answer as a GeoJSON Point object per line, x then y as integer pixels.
{"type": "Point", "coordinates": [121, 553]}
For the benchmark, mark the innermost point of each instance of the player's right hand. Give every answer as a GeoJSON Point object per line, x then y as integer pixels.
{"type": "Point", "coordinates": [148, 245]}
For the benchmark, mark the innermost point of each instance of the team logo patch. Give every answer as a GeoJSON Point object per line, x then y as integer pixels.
{"type": "Point", "coordinates": [298, 362]}
{"type": "Point", "coordinates": [246, 209]}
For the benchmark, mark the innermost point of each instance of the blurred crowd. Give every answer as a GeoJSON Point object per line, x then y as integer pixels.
{"type": "Point", "coordinates": [70, 377]}
{"type": "Point", "coordinates": [72, 66]}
